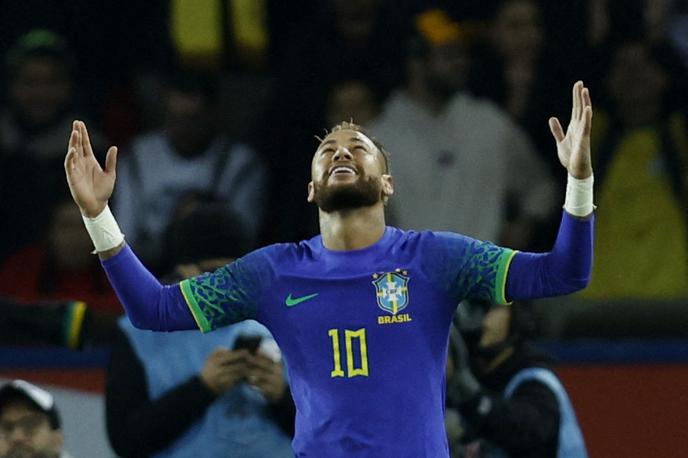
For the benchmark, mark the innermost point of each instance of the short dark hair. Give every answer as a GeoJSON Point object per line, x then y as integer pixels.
{"type": "Point", "coordinates": [350, 125]}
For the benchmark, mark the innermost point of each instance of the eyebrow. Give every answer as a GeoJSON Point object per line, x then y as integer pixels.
{"type": "Point", "coordinates": [352, 139]}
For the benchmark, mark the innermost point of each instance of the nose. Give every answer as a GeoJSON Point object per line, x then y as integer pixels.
{"type": "Point", "coordinates": [342, 154]}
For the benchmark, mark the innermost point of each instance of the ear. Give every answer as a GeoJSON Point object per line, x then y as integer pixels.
{"type": "Point", "coordinates": [387, 187]}
{"type": "Point", "coordinates": [57, 441]}
{"type": "Point", "coordinates": [311, 192]}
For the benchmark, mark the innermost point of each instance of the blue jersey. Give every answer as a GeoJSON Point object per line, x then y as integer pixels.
{"type": "Point", "coordinates": [364, 332]}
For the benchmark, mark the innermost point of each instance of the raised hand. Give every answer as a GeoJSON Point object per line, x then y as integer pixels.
{"type": "Point", "coordinates": [89, 184]}
{"type": "Point", "coordinates": [573, 147]}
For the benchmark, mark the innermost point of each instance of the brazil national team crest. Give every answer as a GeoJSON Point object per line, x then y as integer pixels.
{"type": "Point", "coordinates": [391, 291]}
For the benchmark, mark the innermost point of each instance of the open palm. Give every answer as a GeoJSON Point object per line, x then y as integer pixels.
{"type": "Point", "coordinates": [573, 147]}
{"type": "Point", "coordinates": [89, 184]}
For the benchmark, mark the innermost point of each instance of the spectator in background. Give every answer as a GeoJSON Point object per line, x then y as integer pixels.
{"type": "Point", "coordinates": [175, 394]}
{"type": "Point", "coordinates": [510, 401]}
{"type": "Point", "coordinates": [59, 267]}
{"type": "Point", "coordinates": [29, 422]}
{"type": "Point", "coordinates": [188, 157]}
{"type": "Point", "coordinates": [38, 114]}
{"type": "Point", "coordinates": [641, 174]}
{"type": "Point", "coordinates": [455, 151]}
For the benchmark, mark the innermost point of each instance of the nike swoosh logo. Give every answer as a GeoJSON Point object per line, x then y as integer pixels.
{"type": "Point", "coordinates": [292, 301]}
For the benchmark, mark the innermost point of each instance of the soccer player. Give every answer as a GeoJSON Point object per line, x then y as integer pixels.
{"type": "Point", "coordinates": [361, 312]}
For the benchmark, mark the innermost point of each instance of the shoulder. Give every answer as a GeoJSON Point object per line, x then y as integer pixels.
{"type": "Point", "coordinates": [434, 244]}
{"type": "Point", "coordinates": [278, 254]}
{"type": "Point", "coordinates": [441, 239]}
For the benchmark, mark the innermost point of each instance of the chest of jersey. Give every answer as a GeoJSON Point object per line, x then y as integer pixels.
{"type": "Point", "coordinates": [366, 325]}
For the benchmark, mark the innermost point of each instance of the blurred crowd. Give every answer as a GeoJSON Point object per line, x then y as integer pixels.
{"type": "Point", "coordinates": [220, 104]}
{"type": "Point", "coordinates": [217, 105]}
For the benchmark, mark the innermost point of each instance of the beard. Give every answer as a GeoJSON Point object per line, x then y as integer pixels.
{"type": "Point", "coordinates": [366, 191]}
{"type": "Point", "coordinates": [23, 451]}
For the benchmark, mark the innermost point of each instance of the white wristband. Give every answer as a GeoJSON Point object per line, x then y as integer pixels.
{"type": "Point", "coordinates": [579, 196]}
{"type": "Point", "coordinates": [103, 230]}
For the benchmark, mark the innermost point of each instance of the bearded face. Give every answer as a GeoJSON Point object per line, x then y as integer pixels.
{"type": "Point", "coordinates": [348, 172]}
{"type": "Point", "coordinates": [331, 196]}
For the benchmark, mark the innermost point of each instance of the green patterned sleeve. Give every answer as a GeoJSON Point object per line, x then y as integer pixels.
{"type": "Point", "coordinates": [226, 296]}
{"type": "Point", "coordinates": [483, 276]}
{"type": "Point", "coordinates": [469, 268]}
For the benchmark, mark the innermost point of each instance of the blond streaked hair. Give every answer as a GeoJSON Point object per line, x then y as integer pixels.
{"type": "Point", "coordinates": [350, 125]}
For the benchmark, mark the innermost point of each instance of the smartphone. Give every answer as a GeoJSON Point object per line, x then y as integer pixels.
{"type": "Point", "coordinates": [250, 343]}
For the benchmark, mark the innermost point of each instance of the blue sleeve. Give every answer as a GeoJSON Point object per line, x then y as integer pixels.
{"type": "Point", "coordinates": [149, 305]}
{"type": "Point", "coordinates": [469, 268]}
{"type": "Point", "coordinates": [230, 294]}
{"type": "Point", "coordinates": [563, 270]}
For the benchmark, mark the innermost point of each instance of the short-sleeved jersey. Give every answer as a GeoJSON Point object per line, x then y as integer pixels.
{"type": "Point", "coordinates": [364, 332]}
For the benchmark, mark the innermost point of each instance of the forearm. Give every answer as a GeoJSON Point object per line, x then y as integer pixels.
{"type": "Point", "coordinates": [149, 304]}
{"type": "Point", "coordinates": [565, 269]}
{"type": "Point", "coordinates": [137, 425]}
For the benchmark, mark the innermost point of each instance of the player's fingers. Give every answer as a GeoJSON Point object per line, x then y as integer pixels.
{"type": "Point", "coordinates": [88, 150]}
{"type": "Point", "coordinates": [111, 160]}
{"type": "Point", "coordinates": [80, 143]}
{"type": "Point", "coordinates": [579, 92]}
{"type": "Point", "coordinates": [70, 158]}
{"type": "Point", "coordinates": [574, 103]}
{"type": "Point", "coordinates": [587, 101]}
{"type": "Point", "coordinates": [587, 125]}
{"type": "Point", "coordinates": [557, 131]}
{"type": "Point", "coordinates": [73, 137]}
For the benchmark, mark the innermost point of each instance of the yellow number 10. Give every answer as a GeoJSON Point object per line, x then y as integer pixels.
{"type": "Point", "coordinates": [348, 339]}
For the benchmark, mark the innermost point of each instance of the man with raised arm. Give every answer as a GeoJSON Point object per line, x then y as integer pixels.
{"type": "Point", "coordinates": [362, 311]}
